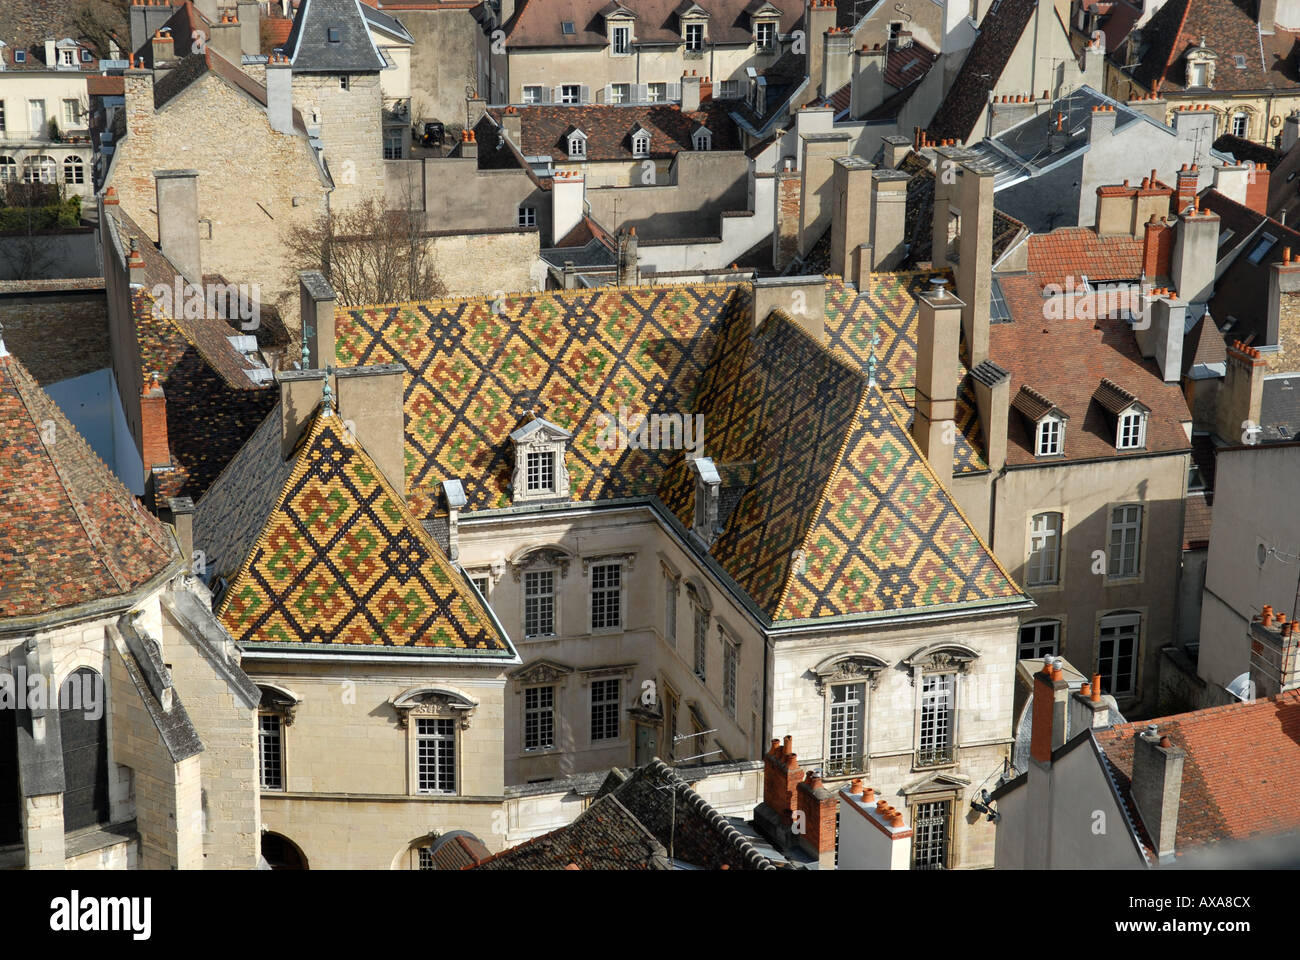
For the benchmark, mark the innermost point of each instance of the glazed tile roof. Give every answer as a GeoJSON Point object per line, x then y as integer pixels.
{"type": "Point", "coordinates": [1000, 31]}
{"type": "Point", "coordinates": [69, 531]}
{"type": "Point", "coordinates": [342, 561]}
{"type": "Point", "coordinates": [538, 23]}
{"type": "Point", "coordinates": [1080, 251]}
{"type": "Point", "coordinates": [544, 130]}
{"type": "Point", "coordinates": [1032, 347]}
{"type": "Point", "coordinates": [1241, 776]}
{"type": "Point", "coordinates": [836, 474]}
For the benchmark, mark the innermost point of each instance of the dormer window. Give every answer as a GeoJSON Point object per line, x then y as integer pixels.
{"type": "Point", "coordinates": [68, 58]}
{"type": "Point", "coordinates": [540, 472]}
{"type": "Point", "coordinates": [620, 40]}
{"type": "Point", "coordinates": [708, 485]}
{"type": "Point", "coordinates": [1132, 431]}
{"type": "Point", "coordinates": [694, 35]}
{"type": "Point", "coordinates": [1050, 438]}
{"type": "Point", "coordinates": [577, 145]}
{"type": "Point", "coordinates": [765, 35]}
{"type": "Point", "coordinates": [1200, 66]}
{"type": "Point", "coordinates": [20, 56]}
{"type": "Point", "coordinates": [702, 139]}
{"type": "Point", "coordinates": [566, 28]}
{"type": "Point", "coordinates": [85, 55]}
{"type": "Point", "coordinates": [640, 144]}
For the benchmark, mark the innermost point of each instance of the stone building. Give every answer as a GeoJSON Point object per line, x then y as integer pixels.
{"type": "Point", "coordinates": [127, 727]}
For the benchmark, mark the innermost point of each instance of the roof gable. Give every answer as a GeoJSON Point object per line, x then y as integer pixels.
{"type": "Point", "coordinates": [331, 36]}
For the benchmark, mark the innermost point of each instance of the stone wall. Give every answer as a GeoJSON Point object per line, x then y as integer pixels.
{"type": "Point", "coordinates": [351, 126]}
{"type": "Point", "coordinates": [483, 264]}
{"type": "Point", "coordinates": [442, 61]}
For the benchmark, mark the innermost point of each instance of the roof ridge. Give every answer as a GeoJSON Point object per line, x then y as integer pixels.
{"type": "Point", "coordinates": [447, 301]}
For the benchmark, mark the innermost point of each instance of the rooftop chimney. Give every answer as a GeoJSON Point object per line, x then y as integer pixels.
{"type": "Point", "coordinates": [155, 449]}
{"type": "Point", "coordinates": [1087, 708]}
{"type": "Point", "coordinates": [868, 90]}
{"type": "Point", "coordinates": [1196, 253]}
{"type": "Point", "coordinates": [837, 61]}
{"type": "Point", "coordinates": [1274, 656]}
{"type": "Point", "coordinates": [690, 93]}
{"type": "Point", "coordinates": [1283, 278]}
{"type": "Point", "coordinates": [371, 402]}
{"type": "Point", "coordinates": [851, 218]}
{"type": "Point", "coordinates": [279, 94]}
{"type": "Point", "coordinates": [1290, 131]}
{"type": "Point", "coordinates": [1163, 337]}
{"type": "Point", "coordinates": [937, 344]}
{"type": "Point", "coordinates": [316, 298]}
{"type": "Point", "coordinates": [897, 147]}
{"type": "Point", "coordinates": [974, 269]}
{"type": "Point", "coordinates": [249, 15]}
{"type": "Point", "coordinates": [802, 298]}
{"type": "Point", "coordinates": [568, 191]}
{"type": "Point", "coordinates": [781, 778]}
{"type": "Point", "coordinates": [512, 124]}
{"type": "Point", "coordinates": [223, 37]}
{"type": "Point", "coordinates": [182, 519]}
{"type": "Point", "coordinates": [629, 272]}
{"type": "Point", "coordinates": [178, 220]}
{"type": "Point", "coordinates": [1241, 397]}
{"type": "Point", "coordinates": [1157, 785]}
{"type": "Point", "coordinates": [1048, 730]}
{"type": "Point", "coordinates": [818, 806]}
{"type": "Point", "coordinates": [993, 400]}
{"type": "Point", "coordinates": [1188, 178]}
{"type": "Point", "coordinates": [888, 218]}
{"type": "Point", "coordinates": [873, 835]}
{"type": "Point", "coordinates": [1257, 188]}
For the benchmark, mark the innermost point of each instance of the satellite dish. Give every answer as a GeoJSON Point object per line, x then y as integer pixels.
{"type": "Point", "coordinates": [1242, 688]}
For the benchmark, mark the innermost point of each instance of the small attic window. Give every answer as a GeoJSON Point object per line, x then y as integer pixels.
{"type": "Point", "coordinates": [1132, 430]}
{"type": "Point", "coordinates": [702, 139]}
{"type": "Point", "coordinates": [1265, 244]}
{"type": "Point", "coordinates": [1050, 438]}
{"type": "Point", "coordinates": [85, 55]}
{"type": "Point", "coordinates": [566, 28]}
{"type": "Point", "coordinates": [640, 144]}
{"type": "Point", "coordinates": [539, 471]}
{"type": "Point", "coordinates": [577, 145]}
{"type": "Point", "coordinates": [332, 34]}
{"type": "Point", "coordinates": [20, 56]}
{"type": "Point", "coordinates": [1240, 58]}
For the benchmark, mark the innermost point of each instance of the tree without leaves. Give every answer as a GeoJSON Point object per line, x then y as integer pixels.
{"type": "Point", "coordinates": [99, 21]}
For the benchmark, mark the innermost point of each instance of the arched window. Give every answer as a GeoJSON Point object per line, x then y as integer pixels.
{"type": "Point", "coordinates": [39, 169]}
{"type": "Point", "coordinates": [83, 724]}
{"type": "Point", "coordinates": [1240, 124]}
{"type": "Point", "coordinates": [74, 171]}
{"type": "Point", "coordinates": [8, 170]}
{"type": "Point", "coordinates": [281, 853]}
{"type": "Point", "coordinates": [11, 827]}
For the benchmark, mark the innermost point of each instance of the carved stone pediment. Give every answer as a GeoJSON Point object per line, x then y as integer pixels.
{"type": "Point", "coordinates": [626, 559]}
{"type": "Point", "coordinates": [540, 558]}
{"type": "Point", "coordinates": [848, 668]}
{"type": "Point", "coordinates": [434, 702]}
{"type": "Point", "coordinates": [540, 671]}
{"type": "Point", "coordinates": [540, 436]}
{"type": "Point", "coordinates": [943, 658]}
{"type": "Point", "coordinates": [277, 699]}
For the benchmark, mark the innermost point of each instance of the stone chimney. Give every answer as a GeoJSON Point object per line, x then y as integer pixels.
{"type": "Point", "coordinates": [815, 203]}
{"type": "Point", "coordinates": [249, 15]}
{"type": "Point", "coordinates": [818, 806]}
{"type": "Point", "coordinates": [888, 218]}
{"type": "Point", "coordinates": [300, 395]}
{"type": "Point", "coordinates": [1257, 188]}
{"type": "Point", "coordinates": [1196, 253]}
{"type": "Point", "coordinates": [1290, 131]}
{"type": "Point", "coordinates": [629, 271]}
{"type": "Point", "coordinates": [873, 834]}
{"type": "Point", "coordinates": [1094, 62]}
{"type": "Point", "coordinates": [223, 37]}
{"type": "Point", "coordinates": [1087, 709]}
{"type": "Point", "coordinates": [868, 90]}
{"type": "Point", "coordinates": [155, 449]}
{"type": "Point", "coordinates": [1241, 397]}
{"type": "Point", "coordinates": [468, 145]}
{"type": "Point", "coordinates": [974, 269]}
{"type": "Point", "coordinates": [993, 400]}
{"type": "Point", "coordinates": [1232, 180]}
{"type": "Point", "coordinates": [897, 148]}
{"type": "Point", "coordinates": [837, 60]}
{"type": "Point", "coordinates": [1274, 654]}
{"type": "Point", "coordinates": [316, 304]}
{"type": "Point", "coordinates": [568, 191]}
{"type": "Point", "coordinates": [1283, 278]}
{"type": "Point", "coordinates": [1115, 206]}
{"type": "Point", "coordinates": [690, 92]}
{"type": "Point", "coordinates": [1101, 124]}
{"type": "Point", "coordinates": [851, 219]}
{"type": "Point", "coordinates": [182, 519]}
{"type": "Point", "coordinates": [371, 404]}
{"type": "Point", "coordinates": [819, 17]}
{"type": "Point", "coordinates": [802, 298]}
{"type": "Point", "coordinates": [279, 93]}
{"type": "Point", "coordinates": [937, 345]}
{"type": "Point", "coordinates": [1162, 338]}
{"type": "Point", "coordinates": [1267, 17]}
{"type": "Point", "coordinates": [137, 89]}
{"type": "Point", "coordinates": [1151, 105]}
{"type": "Point", "coordinates": [1151, 197]}
{"type": "Point", "coordinates": [178, 220]}
{"type": "Point", "coordinates": [1157, 786]}
{"type": "Point", "coordinates": [512, 125]}
{"type": "Point", "coordinates": [163, 50]}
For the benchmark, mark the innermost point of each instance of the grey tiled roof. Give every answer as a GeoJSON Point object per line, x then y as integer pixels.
{"type": "Point", "coordinates": [311, 48]}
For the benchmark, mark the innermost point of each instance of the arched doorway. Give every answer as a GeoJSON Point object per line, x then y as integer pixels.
{"type": "Point", "coordinates": [83, 725]}
{"type": "Point", "coordinates": [281, 853]}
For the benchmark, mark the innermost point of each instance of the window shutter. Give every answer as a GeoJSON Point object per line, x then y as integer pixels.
{"type": "Point", "coordinates": [559, 95]}
{"type": "Point", "coordinates": [674, 91]}
{"type": "Point", "coordinates": [586, 94]}
{"type": "Point", "coordinates": [642, 92]}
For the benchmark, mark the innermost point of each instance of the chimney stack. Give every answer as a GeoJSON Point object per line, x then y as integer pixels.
{"type": "Point", "coordinates": [1088, 709]}
{"type": "Point", "coordinates": [371, 401]}
{"type": "Point", "coordinates": [1290, 131]}
{"type": "Point", "coordinates": [937, 343]}
{"type": "Point", "coordinates": [819, 17]}
{"type": "Point", "coordinates": [182, 520]}
{"type": "Point", "coordinates": [1157, 785]}
{"type": "Point", "coordinates": [316, 298]}
{"type": "Point", "coordinates": [888, 218]}
{"type": "Point", "coordinates": [896, 149]}
{"type": "Point", "coordinates": [178, 220]}
{"type": "Point", "coordinates": [690, 92]}
{"type": "Point", "coordinates": [993, 399]}
{"type": "Point", "coordinates": [512, 124]}
{"type": "Point", "coordinates": [1196, 253]}
{"type": "Point", "coordinates": [629, 271]}
{"type": "Point", "coordinates": [279, 93]}
{"type": "Point", "coordinates": [1274, 655]}
{"type": "Point", "coordinates": [249, 15]}
{"type": "Point", "coordinates": [468, 145]}
{"type": "Point", "coordinates": [851, 219]}
{"type": "Point", "coordinates": [223, 37]}
{"type": "Point", "coordinates": [1241, 397]}
{"type": "Point", "coordinates": [868, 90]}
{"type": "Point", "coordinates": [155, 448]}
{"type": "Point", "coordinates": [781, 778]}
{"type": "Point", "coordinates": [873, 835]}
{"type": "Point", "coordinates": [1051, 693]}
{"type": "Point", "coordinates": [818, 806]}
{"type": "Point", "coordinates": [974, 270]}
{"type": "Point", "coordinates": [802, 298]}
{"type": "Point", "coordinates": [837, 60]}
{"type": "Point", "coordinates": [568, 193]}
{"type": "Point", "coordinates": [1283, 278]}
{"type": "Point", "coordinates": [1162, 338]}
{"type": "Point", "coordinates": [1186, 187]}
{"type": "Point", "coordinates": [1257, 188]}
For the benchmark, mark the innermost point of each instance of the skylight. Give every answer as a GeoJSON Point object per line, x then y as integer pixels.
{"type": "Point", "coordinates": [1262, 248]}
{"type": "Point", "coordinates": [566, 27]}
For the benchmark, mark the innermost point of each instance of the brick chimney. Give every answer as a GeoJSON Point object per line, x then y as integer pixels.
{"type": "Point", "coordinates": [937, 344]}
{"type": "Point", "coordinates": [1196, 253]}
{"type": "Point", "coordinates": [1185, 188]}
{"type": "Point", "coordinates": [851, 219]}
{"type": "Point", "coordinates": [1048, 723]}
{"type": "Point", "coordinates": [993, 400]}
{"type": "Point", "coordinates": [155, 449]}
{"type": "Point", "coordinates": [1157, 248]}
{"type": "Point", "coordinates": [818, 806]}
{"type": "Point", "coordinates": [874, 835]}
{"type": "Point", "coordinates": [1283, 278]}
{"type": "Point", "coordinates": [781, 778]}
{"type": "Point", "coordinates": [1274, 654]}
{"type": "Point", "coordinates": [1257, 188]}
{"type": "Point", "coordinates": [888, 218]}
{"type": "Point", "coordinates": [182, 520]}
{"type": "Point", "coordinates": [1157, 785]}
{"type": "Point", "coordinates": [1241, 397]}
{"type": "Point", "coordinates": [177, 193]}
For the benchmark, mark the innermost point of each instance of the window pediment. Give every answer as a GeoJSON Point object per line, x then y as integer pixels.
{"type": "Point", "coordinates": [848, 667]}
{"type": "Point", "coordinates": [545, 556]}
{"type": "Point", "coordinates": [540, 472]}
{"type": "Point", "coordinates": [540, 671]}
{"type": "Point", "coordinates": [943, 656]}
{"type": "Point", "coordinates": [434, 702]}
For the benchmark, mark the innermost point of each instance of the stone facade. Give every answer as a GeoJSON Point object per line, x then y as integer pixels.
{"type": "Point", "coordinates": [350, 120]}
{"type": "Point", "coordinates": [485, 264]}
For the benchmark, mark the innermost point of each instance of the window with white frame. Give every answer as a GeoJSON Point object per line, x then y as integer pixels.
{"type": "Point", "coordinates": [539, 603]}
{"type": "Point", "coordinates": [36, 117]}
{"type": "Point", "coordinates": [571, 93]}
{"type": "Point", "coordinates": [1039, 639]}
{"type": "Point", "coordinates": [1125, 540]}
{"type": "Point", "coordinates": [847, 726]}
{"type": "Point", "coordinates": [577, 146]}
{"type": "Point", "coordinates": [435, 740]}
{"type": "Point", "coordinates": [727, 90]}
{"type": "Point", "coordinates": [539, 718]}
{"type": "Point", "coordinates": [540, 475]}
{"type": "Point", "coordinates": [527, 216]}
{"type": "Point", "coordinates": [606, 596]}
{"type": "Point", "coordinates": [71, 112]}
{"type": "Point", "coordinates": [935, 743]}
{"type": "Point", "coordinates": [702, 140]}
{"type": "Point", "coordinates": [1044, 549]}
{"type": "Point", "coordinates": [605, 709]}
{"type": "Point", "coordinates": [86, 56]}
{"type": "Point", "coordinates": [620, 40]}
{"type": "Point", "coordinates": [393, 146]}
{"type": "Point", "coordinates": [1051, 433]}
{"type": "Point", "coordinates": [482, 585]}
{"type": "Point", "coordinates": [620, 92]}
{"type": "Point", "coordinates": [640, 144]}
{"type": "Point", "coordinates": [670, 610]}
{"type": "Point", "coordinates": [8, 170]}
{"type": "Point", "coordinates": [532, 93]}
{"type": "Point", "coordinates": [68, 57]}
{"type": "Point", "coordinates": [1240, 125]}
{"type": "Point", "coordinates": [694, 37]}
{"type": "Point", "coordinates": [270, 749]}
{"type": "Point", "coordinates": [38, 169]}
{"type": "Point", "coordinates": [730, 665]}
{"type": "Point", "coordinates": [765, 35]}
{"type": "Point", "coordinates": [657, 92]}
{"type": "Point", "coordinates": [74, 171]}
{"type": "Point", "coordinates": [1132, 433]}
{"type": "Point", "coordinates": [1117, 646]}
{"type": "Point", "coordinates": [701, 632]}
{"type": "Point", "coordinates": [930, 830]}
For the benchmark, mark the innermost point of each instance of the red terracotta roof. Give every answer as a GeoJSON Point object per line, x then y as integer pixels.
{"type": "Point", "coordinates": [1066, 359]}
{"type": "Point", "coordinates": [1241, 777]}
{"type": "Point", "coordinates": [275, 31]}
{"type": "Point", "coordinates": [104, 86]}
{"type": "Point", "coordinates": [70, 532]}
{"type": "Point", "coordinates": [1079, 251]}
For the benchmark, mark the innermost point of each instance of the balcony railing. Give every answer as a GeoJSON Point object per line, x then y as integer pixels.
{"type": "Point", "coordinates": [934, 756]}
{"type": "Point", "coordinates": [693, 54]}
{"type": "Point", "coordinates": [844, 766]}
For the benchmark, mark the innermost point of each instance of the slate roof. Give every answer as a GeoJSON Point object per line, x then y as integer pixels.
{"type": "Point", "coordinates": [341, 562]}
{"type": "Point", "coordinates": [1279, 414]}
{"type": "Point", "coordinates": [1229, 30]}
{"type": "Point", "coordinates": [966, 99]}
{"type": "Point", "coordinates": [1241, 775]}
{"type": "Point", "coordinates": [544, 130]}
{"type": "Point", "coordinates": [837, 474]}
{"type": "Point", "coordinates": [537, 23]}
{"type": "Point", "coordinates": [904, 68]}
{"type": "Point", "coordinates": [70, 533]}
{"type": "Point", "coordinates": [311, 50]}
{"type": "Point", "coordinates": [1031, 348]}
